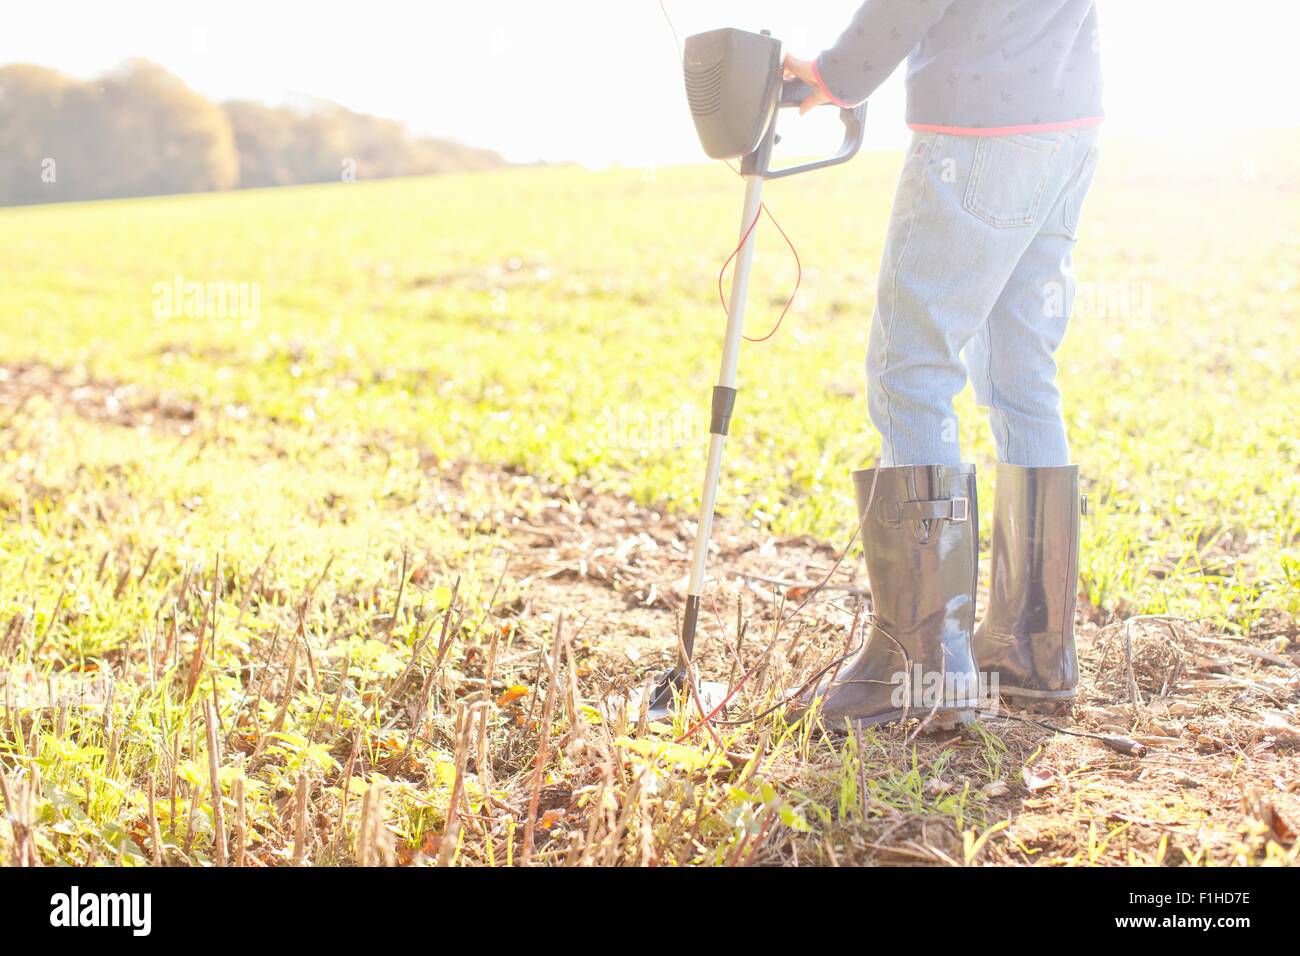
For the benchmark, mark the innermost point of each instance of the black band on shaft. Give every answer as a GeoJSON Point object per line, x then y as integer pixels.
{"type": "Point", "coordinates": [724, 403]}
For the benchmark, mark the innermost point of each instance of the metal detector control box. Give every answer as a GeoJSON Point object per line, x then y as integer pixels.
{"type": "Point", "coordinates": [735, 89]}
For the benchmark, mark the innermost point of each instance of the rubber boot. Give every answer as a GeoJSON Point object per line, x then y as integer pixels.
{"type": "Point", "coordinates": [921, 541]}
{"type": "Point", "coordinates": [1026, 640]}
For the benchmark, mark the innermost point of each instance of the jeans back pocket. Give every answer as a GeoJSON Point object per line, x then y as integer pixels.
{"type": "Point", "coordinates": [1009, 175]}
{"type": "Point", "coordinates": [1078, 189]}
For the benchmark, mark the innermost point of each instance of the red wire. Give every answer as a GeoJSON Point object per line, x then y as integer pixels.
{"type": "Point", "coordinates": [798, 265]}
{"type": "Point", "coordinates": [740, 245]}
{"type": "Point", "coordinates": [734, 252]}
{"type": "Point", "coordinates": [798, 277]}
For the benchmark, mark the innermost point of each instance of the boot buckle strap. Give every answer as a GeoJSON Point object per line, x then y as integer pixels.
{"type": "Point", "coordinates": [956, 510]}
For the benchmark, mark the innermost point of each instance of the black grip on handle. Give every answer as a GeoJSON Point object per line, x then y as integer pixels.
{"type": "Point", "coordinates": [794, 92]}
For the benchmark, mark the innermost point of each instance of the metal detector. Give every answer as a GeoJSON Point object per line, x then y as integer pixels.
{"type": "Point", "coordinates": [735, 89]}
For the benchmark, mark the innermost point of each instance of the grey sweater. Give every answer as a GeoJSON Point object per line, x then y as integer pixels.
{"type": "Point", "coordinates": [975, 67]}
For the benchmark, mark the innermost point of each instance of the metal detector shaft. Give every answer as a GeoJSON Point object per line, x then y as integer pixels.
{"type": "Point", "coordinates": [724, 399]}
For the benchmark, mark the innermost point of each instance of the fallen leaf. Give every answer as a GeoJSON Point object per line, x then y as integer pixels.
{"type": "Point", "coordinates": [1159, 729]}
{"type": "Point", "coordinates": [1035, 780]}
{"type": "Point", "coordinates": [512, 694]}
{"type": "Point", "coordinates": [550, 818]}
{"type": "Point", "coordinates": [406, 853]}
{"type": "Point", "coordinates": [441, 597]}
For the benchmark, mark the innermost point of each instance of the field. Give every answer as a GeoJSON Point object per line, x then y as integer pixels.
{"type": "Point", "coordinates": [329, 516]}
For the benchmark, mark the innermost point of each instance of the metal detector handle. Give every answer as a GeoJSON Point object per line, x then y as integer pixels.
{"type": "Point", "coordinates": [793, 93]}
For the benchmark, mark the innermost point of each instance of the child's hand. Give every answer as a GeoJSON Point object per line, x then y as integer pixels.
{"type": "Point", "coordinates": [797, 69]}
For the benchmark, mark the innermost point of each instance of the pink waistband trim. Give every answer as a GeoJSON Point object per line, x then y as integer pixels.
{"type": "Point", "coordinates": [1005, 130]}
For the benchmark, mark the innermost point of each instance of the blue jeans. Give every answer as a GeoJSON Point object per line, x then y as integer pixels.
{"type": "Point", "coordinates": [977, 278]}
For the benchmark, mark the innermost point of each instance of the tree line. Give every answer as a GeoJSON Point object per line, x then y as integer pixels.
{"type": "Point", "coordinates": [139, 131]}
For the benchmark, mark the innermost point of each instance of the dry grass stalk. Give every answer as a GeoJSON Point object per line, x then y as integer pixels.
{"type": "Point", "coordinates": [646, 827]}
{"type": "Point", "coordinates": [613, 843]}
{"type": "Point", "coordinates": [347, 776]}
{"type": "Point", "coordinates": [374, 842]}
{"type": "Point", "coordinates": [1135, 698]}
{"type": "Point", "coordinates": [241, 836]}
{"type": "Point", "coordinates": [253, 583]}
{"type": "Point", "coordinates": [483, 765]}
{"type": "Point", "coordinates": [54, 616]}
{"type": "Point", "coordinates": [363, 829]}
{"type": "Point", "coordinates": [451, 832]}
{"type": "Point", "coordinates": [122, 578]}
{"type": "Point", "coordinates": [176, 762]}
{"type": "Point", "coordinates": [192, 791]}
{"type": "Point", "coordinates": [193, 794]}
{"type": "Point", "coordinates": [20, 805]}
{"type": "Point", "coordinates": [689, 673]}
{"type": "Point", "coordinates": [862, 769]}
{"type": "Point", "coordinates": [209, 618]}
{"type": "Point", "coordinates": [148, 563]}
{"type": "Point", "coordinates": [643, 713]}
{"type": "Point", "coordinates": [530, 824]}
{"type": "Point", "coordinates": [594, 822]}
{"type": "Point", "coordinates": [214, 778]}
{"type": "Point", "coordinates": [155, 835]}
{"type": "Point", "coordinates": [286, 699]}
{"type": "Point", "coordinates": [253, 699]}
{"type": "Point", "coordinates": [401, 592]}
{"type": "Point", "coordinates": [300, 821]}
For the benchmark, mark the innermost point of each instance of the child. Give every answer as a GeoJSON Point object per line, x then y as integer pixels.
{"type": "Point", "coordinates": [1004, 99]}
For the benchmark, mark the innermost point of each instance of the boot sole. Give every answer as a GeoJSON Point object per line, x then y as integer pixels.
{"type": "Point", "coordinates": [1051, 703]}
{"type": "Point", "coordinates": [940, 720]}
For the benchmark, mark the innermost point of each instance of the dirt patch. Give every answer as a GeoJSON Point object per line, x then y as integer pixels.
{"type": "Point", "coordinates": [1216, 714]}
{"type": "Point", "coordinates": [127, 405]}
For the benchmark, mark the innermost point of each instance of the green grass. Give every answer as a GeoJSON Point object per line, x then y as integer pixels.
{"type": "Point", "coordinates": [533, 320]}
{"type": "Point", "coordinates": [525, 318]}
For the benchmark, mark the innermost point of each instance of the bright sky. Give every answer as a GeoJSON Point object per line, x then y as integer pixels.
{"type": "Point", "coordinates": [599, 80]}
